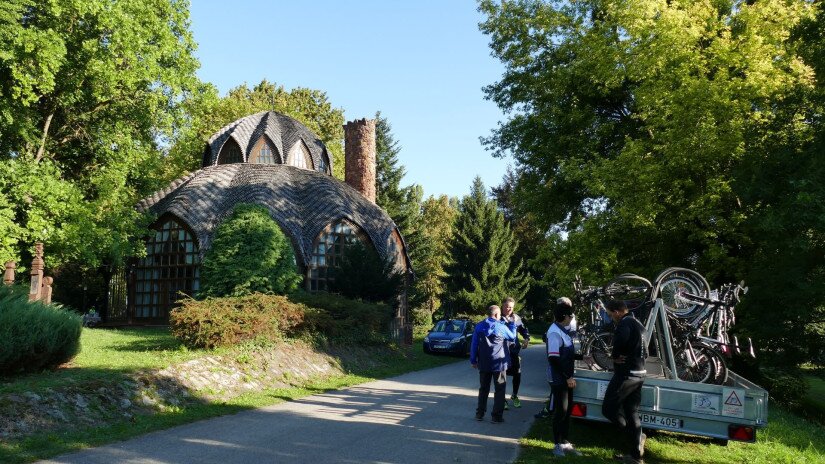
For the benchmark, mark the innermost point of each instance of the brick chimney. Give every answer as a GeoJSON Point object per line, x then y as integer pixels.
{"type": "Point", "coordinates": [359, 156]}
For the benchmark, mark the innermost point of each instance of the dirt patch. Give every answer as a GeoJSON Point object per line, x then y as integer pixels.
{"type": "Point", "coordinates": [208, 379]}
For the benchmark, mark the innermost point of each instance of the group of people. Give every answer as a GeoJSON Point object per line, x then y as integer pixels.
{"type": "Point", "coordinates": [495, 352]}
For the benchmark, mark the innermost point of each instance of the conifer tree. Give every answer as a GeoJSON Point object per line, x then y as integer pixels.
{"type": "Point", "coordinates": [482, 268]}
{"type": "Point", "coordinates": [388, 173]}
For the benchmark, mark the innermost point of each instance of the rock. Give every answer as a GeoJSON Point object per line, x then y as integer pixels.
{"type": "Point", "coordinates": [34, 397]}
{"type": "Point", "coordinates": [125, 403]}
{"type": "Point", "coordinates": [81, 402]}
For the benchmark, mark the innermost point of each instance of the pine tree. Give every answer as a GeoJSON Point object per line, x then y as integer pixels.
{"type": "Point", "coordinates": [482, 268]}
{"type": "Point", "coordinates": [388, 173]}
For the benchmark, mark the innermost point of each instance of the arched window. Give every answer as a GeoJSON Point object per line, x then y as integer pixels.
{"type": "Point", "coordinates": [396, 250]}
{"type": "Point", "coordinates": [264, 152]}
{"type": "Point", "coordinates": [230, 153]}
{"type": "Point", "coordinates": [299, 156]}
{"type": "Point", "coordinates": [171, 265]}
{"type": "Point", "coordinates": [328, 249]}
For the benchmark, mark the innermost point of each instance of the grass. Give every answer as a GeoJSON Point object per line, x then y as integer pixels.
{"type": "Point", "coordinates": [813, 404]}
{"type": "Point", "coordinates": [788, 438]}
{"type": "Point", "coordinates": [108, 354]}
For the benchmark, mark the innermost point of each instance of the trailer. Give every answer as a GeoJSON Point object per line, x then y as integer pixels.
{"type": "Point", "coordinates": [733, 411]}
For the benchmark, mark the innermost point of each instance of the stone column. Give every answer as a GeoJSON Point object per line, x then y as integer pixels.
{"type": "Point", "coordinates": [8, 277]}
{"type": "Point", "coordinates": [359, 156]}
{"type": "Point", "coordinates": [37, 273]}
{"type": "Point", "coordinates": [47, 290]}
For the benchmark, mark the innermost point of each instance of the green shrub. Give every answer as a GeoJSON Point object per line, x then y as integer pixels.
{"type": "Point", "coordinates": [34, 336]}
{"type": "Point", "coordinates": [225, 321]}
{"type": "Point", "coordinates": [343, 319]}
{"type": "Point", "coordinates": [363, 274]}
{"type": "Point", "coordinates": [249, 254]}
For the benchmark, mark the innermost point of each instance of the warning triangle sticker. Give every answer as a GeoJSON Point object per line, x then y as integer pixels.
{"type": "Point", "coordinates": [733, 399]}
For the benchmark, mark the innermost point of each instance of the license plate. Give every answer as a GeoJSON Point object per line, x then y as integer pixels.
{"type": "Point", "coordinates": [662, 421]}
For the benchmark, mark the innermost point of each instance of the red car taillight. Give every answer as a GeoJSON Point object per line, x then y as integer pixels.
{"type": "Point", "coordinates": [578, 410]}
{"type": "Point", "coordinates": [741, 433]}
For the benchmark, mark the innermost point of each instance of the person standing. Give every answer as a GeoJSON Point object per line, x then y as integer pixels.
{"type": "Point", "coordinates": [488, 354]}
{"type": "Point", "coordinates": [624, 392]}
{"type": "Point", "coordinates": [547, 410]}
{"type": "Point", "coordinates": [514, 367]}
{"type": "Point", "coordinates": [561, 360]}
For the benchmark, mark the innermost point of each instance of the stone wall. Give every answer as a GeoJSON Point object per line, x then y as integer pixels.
{"type": "Point", "coordinates": [359, 156]}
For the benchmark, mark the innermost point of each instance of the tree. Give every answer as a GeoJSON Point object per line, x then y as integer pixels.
{"type": "Point", "coordinates": [209, 114]}
{"type": "Point", "coordinates": [652, 134]}
{"type": "Point", "coordinates": [388, 173]}
{"type": "Point", "coordinates": [249, 254]}
{"type": "Point", "coordinates": [481, 268]}
{"type": "Point", "coordinates": [88, 92]}
{"type": "Point", "coordinates": [430, 252]}
{"type": "Point", "coordinates": [363, 274]}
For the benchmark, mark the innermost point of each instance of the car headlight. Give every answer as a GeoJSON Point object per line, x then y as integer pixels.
{"type": "Point", "coordinates": [426, 339]}
{"type": "Point", "coordinates": [456, 340]}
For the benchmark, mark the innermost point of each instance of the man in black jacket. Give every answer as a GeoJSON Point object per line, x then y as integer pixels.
{"type": "Point", "coordinates": [514, 347]}
{"type": "Point", "coordinates": [624, 392]}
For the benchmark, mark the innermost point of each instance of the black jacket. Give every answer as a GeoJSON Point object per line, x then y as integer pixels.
{"type": "Point", "coordinates": [629, 341]}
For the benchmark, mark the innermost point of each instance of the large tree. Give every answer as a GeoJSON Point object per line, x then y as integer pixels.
{"type": "Point", "coordinates": [482, 268]}
{"type": "Point", "coordinates": [659, 133]}
{"type": "Point", "coordinates": [430, 251]}
{"type": "Point", "coordinates": [88, 92]}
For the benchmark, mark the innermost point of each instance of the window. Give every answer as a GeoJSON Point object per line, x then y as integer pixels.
{"type": "Point", "coordinates": [171, 265]}
{"type": "Point", "coordinates": [299, 156]}
{"type": "Point", "coordinates": [264, 152]}
{"type": "Point", "coordinates": [328, 249]}
{"type": "Point", "coordinates": [230, 153]}
{"type": "Point", "coordinates": [395, 246]}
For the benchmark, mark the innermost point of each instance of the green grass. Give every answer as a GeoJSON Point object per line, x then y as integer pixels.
{"type": "Point", "coordinates": [108, 353]}
{"type": "Point", "coordinates": [787, 439]}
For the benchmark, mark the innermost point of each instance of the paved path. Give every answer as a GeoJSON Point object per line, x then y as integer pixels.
{"type": "Point", "coordinates": [417, 417]}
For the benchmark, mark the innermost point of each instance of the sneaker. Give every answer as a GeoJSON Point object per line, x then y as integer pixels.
{"type": "Point", "coordinates": [479, 416]}
{"type": "Point", "coordinates": [497, 419]}
{"type": "Point", "coordinates": [569, 448]}
{"type": "Point", "coordinates": [642, 445]}
{"type": "Point", "coordinates": [516, 401]}
{"type": "Point", "coordinates": [558, 451]}
{"type": "Point", "coordinates": [543, 414]}
{"type": "Point", "coordinates": [506, 405]}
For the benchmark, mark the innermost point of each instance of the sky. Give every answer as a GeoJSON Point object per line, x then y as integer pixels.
{"type": "Point", "coordinates": [421, 63]}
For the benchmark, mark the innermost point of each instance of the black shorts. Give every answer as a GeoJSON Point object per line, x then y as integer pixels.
{"type": "Point", "coordinates": [515, 365]}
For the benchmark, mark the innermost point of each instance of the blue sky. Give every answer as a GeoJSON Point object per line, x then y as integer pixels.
{"type": "Point", "coordinates": [422, 64]}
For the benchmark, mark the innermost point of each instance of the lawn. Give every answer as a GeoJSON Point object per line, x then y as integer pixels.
{"type": "Point", "coordinates": [111, 355]}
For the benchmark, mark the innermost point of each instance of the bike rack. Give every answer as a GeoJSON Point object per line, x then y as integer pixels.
{"type": "Point", "coordinates": [657, 322]}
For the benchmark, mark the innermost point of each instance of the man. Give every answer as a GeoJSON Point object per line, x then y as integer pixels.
{"type": "Point", "coordinates": [561, 360]}
{"type": "Point", "coordinates": [571, 330]}
{"type": "Point", "coordinates": [488, 354]}
{"type": "Point", "coordinates": [514, 367]}
{"type": "Point", "coordinates": [624, 392]}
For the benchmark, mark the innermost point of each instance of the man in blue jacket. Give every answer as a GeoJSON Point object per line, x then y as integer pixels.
{"type": "Point", "coordinates": [489, 354]}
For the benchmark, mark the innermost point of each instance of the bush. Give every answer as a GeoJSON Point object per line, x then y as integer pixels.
{"type": "Point", "coordinates": [363, 274]}
{"type": "Point", "coordinates": [215, 322]}
{"type": "Point", "coordinates": [344, 319]}
{"type": "Point", "coordinates": [34, 336]}
{"type": "Point", "coordinates": [249, 254]}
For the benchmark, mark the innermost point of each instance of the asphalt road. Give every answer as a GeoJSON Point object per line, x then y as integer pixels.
{"type": "Point", "coordinates": [425, 416]}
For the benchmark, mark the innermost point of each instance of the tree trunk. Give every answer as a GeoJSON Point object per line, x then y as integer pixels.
{"type": "Point", "coordinates": [43, 138]}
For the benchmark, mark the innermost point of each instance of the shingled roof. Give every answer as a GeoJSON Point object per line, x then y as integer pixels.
{"type": "Point", "coordinates": [303, 202]}
{"type": "Point", "coordinates": [282, 130]}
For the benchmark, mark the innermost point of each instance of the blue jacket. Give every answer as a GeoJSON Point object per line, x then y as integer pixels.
{"type": "Point", "coordinates": [520, 329]}
{"type": "Point", "coordinates": [489, 346]}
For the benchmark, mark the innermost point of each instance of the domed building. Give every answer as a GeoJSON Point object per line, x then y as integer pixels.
{"type": "Point", "coordinates": [271, 160]}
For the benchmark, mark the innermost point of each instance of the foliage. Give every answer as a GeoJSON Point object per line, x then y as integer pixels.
{"type": "Point", "coordinates": [389, 194]}
{"type": "Point", "coordinates": [216, 322]}
{"type": "Point", "coordinates": [363, 274]}
{"type": "Point", "coordinates": [34, 336]}
{"type": "Point", "coordinates": [88, 91]}
{"type": "Point", "coordinates": [430, 252]}
{"type": "Point", "coordinates": [209, 113]}
{"type": "Point", "coordinates": [652, 134]}
{"type": "Point", "coordinates": [341, 319]}
{"type": "Point", "coordinates": [249, 254]}
{"type": "Point", "coordinates": [482, 269]}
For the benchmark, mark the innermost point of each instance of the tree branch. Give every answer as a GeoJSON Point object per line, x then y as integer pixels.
{"type": "Point", "coordinates": [42, 147]}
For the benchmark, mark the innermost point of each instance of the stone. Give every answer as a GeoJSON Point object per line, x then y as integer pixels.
{"type": "Point", "coordinates": [125, 403]}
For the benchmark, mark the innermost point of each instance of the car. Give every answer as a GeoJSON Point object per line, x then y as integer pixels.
{"type": "Point", "coordinates": [451, 336]}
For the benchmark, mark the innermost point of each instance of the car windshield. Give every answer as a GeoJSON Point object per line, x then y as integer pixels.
{"type": "Point", "coordinates": [449, 326]}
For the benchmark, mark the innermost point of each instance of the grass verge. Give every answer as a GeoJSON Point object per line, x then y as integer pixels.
{"type": "Point", "coordinates": [117, 353]}
{"type": "Point", "coordinates": [788, 438]}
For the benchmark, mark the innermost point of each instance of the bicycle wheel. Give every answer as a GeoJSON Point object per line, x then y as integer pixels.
{"type": "Point", "coordinates": [632, 289]}
{"type": "Point", "coordinates": [708, 368]}
{"type": "Point", "coordinates": [599, 348]}
{"type": "Point", "coordinates": [674, 286]}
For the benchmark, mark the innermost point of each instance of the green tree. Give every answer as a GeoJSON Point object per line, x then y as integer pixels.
{"type": "Point", "coordinates": [651, 134]}
{"type": "Point", "coordinates": [363, 274]}
{"type": "Point", "coordinates": [431, 252]}
{"type": "Point", "coordinates": [388, 173]}
{"type": "Point", "coordinates": [210, 113]}
{"type": "Point", "coordinates": [88, 92]}
{"type": "Point", "coordinates": [249, 254]}
{"type": "Point", "coordinates": [482, 268]}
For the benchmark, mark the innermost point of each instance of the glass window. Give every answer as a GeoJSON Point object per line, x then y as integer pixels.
{"type": "Point", "coordinates": [299, 156]}
{"type": "Point", "coordinates": [329, 247]}
{"type": "Point", "coordinates": [263, 152]}
{"type": "Point", "coordinates": [230, 153]}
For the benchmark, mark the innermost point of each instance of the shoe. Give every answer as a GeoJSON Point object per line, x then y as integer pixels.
{"type": "Point", "coordinates": [498, 419]}
{"type": "Point", "coordinates": [516, 401]}
{"type": "Point", "coordinates": [506, 405]}
{"type": "Point", "coordinates": [479, 416]}
{"type": "Point", "coordinates": [569, 448]}
{"type": "Point", "coordinates": [642, 445]}
{"type": "Point", "coordinates": [543, 414]}
{"type": "Point", "coordinates": [558, 451]}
